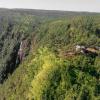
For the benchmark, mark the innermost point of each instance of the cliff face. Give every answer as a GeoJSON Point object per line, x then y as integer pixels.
{"type": "Point", "coordinates": [23, 51]}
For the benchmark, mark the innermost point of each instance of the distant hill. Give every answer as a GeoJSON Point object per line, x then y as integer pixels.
{"type": "Point", "coordinates": [50, 13]}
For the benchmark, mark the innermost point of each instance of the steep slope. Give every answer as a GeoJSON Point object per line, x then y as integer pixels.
{"type": "Point", "coordinates": [13, 31]}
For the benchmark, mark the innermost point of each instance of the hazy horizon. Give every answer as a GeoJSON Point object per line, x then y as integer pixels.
{"type": "Point", "coordinates": [63, 5]}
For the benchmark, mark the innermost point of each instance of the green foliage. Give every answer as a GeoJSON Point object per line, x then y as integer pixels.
{"type": "Point", "coordinates": [61, 33]}
{"type": "Point", "coordinates": [43, 74]}
{"type": "Point", "coordinates": [58, 79]}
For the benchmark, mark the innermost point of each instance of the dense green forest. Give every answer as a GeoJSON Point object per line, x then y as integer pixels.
{"type": "Point", "coordinates": [49, 55]}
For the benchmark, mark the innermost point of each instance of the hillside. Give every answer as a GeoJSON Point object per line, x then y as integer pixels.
{"type": "Point", "coordinates": [39, 58]}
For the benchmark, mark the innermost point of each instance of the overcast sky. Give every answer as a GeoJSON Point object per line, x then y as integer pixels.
{"type": "Point", "coordinates": [68, 5]}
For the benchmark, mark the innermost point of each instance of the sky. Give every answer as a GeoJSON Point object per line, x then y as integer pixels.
{"type": "Point", "coordinates": [67, 5]}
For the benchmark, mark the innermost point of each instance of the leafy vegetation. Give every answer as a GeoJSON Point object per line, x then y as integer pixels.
{"type": "Point", "coordinates": [48, 72]}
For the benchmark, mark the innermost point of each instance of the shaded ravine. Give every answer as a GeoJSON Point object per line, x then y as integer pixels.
{"type": "Point", "coordinates": [17, 56]}
{"type": "Point", "coordinates": [10, 64]}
